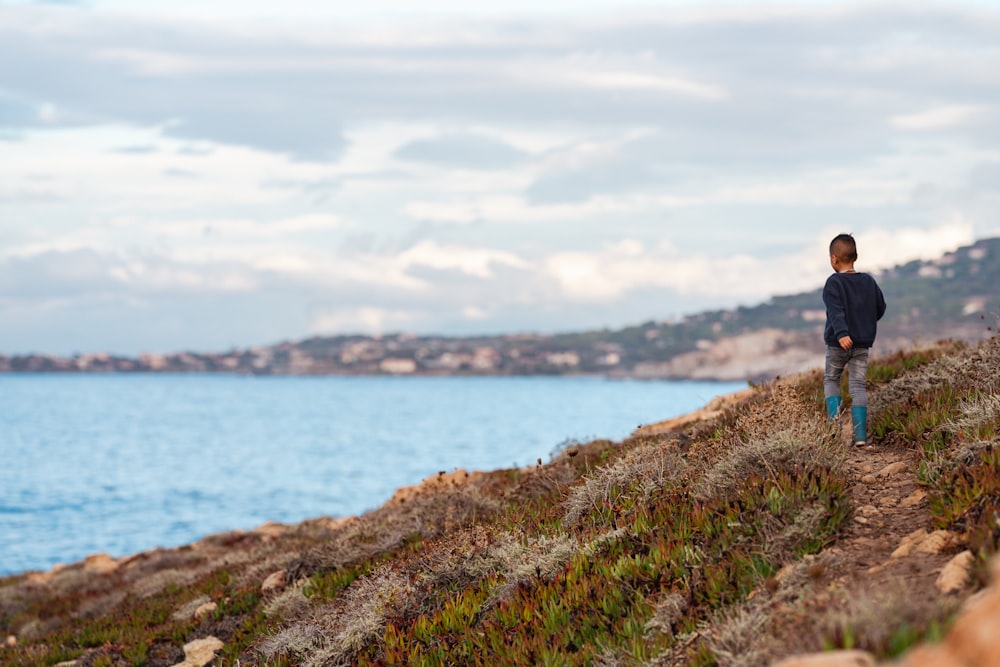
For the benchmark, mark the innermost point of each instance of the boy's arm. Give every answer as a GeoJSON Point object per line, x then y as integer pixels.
{"type": "Point", "coordinates": [836, 314]}
{"type": "Point", "coordinates": [879, 303]}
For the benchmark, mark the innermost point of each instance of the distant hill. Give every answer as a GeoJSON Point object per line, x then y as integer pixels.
{"type": "Point", "coordinates": [954, 297]}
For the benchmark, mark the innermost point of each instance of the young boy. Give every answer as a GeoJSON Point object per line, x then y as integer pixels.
{"type": "Point", "coordinates": [854, 303]}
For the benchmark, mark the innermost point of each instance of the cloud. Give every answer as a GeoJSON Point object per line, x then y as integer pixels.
{"type": "Point", "coordinates": [298, 91]}
{"type": "Point", "coordinates": [630, 266]}
{"type": "Point", "coordinates": [359, 320]}
{"type": "Point", "coordinates": [582, 71]}
{"type": "Point", "coordinates": [136, 150]}
{"type": "Point", "coordinates": [461, 150]}
{"type": "Point", "coordinates": [940, 117]}
{"type": "Point", "coordinates": [473, 262]}
{"type": "Point", "coordinates": [883, 248]}
{"type": "Point", "coordinates": [478, 173]}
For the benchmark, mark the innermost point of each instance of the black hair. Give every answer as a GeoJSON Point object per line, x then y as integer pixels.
{"type": "Point", "coordinates": [843, 247]}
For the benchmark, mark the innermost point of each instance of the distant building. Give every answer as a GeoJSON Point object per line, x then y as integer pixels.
{"type": "Point", "coordinates": [397, 366]}
{"type": "Point", "coordinates": [568, 359]}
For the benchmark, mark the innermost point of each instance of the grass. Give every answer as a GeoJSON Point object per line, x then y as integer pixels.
{"type": "Point", "coordinates": [658, 550]}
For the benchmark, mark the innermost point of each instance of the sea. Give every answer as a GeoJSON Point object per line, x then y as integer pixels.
{"type": "Point", "coordinates": [122, 463]}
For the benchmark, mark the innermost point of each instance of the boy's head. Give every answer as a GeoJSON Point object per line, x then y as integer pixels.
{"type": "Point", "coordinates": [843, 248]}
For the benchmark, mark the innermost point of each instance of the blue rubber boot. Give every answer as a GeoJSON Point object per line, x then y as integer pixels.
{"type": "Point", "coordinates": [832, 407]}
{"type": "Point", "coordinates": [859, 417]}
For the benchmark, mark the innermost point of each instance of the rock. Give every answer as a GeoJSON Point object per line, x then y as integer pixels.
{"type": "Point", "coordinates": [434, 484]}
{"type": "Point", "coordinates": [11, 641]}
{"type": "Point", "coordinates": [936, 655]}
{"type": "Point", "coordinates": [955, 575]}
{"type": "Point", "coordinates": [205, 609]}
{"type": "Point", "coordinates": [274, 582]}
{"type": "Point", "coordinates": [271, 529]}
{"type": "Point", "coordinates": [829, 659]}
{"type": "Point", "coordinates": [40, 577]}
{"type": "Point", "coordinates": [200, 652]}
{"type": "Point", "coordinates": [975, 599]}
{"type": "Point", "coordinates": [892, 469]}
{"type": "Point", "coordinates": [907, 544]}
{"type": "Point", "coordinates": [888, 501]}
{"type": "Point", "coordinates": [100, 564]}
{"type": "Point", "coordinates": [974, 635]}
{"type": "Point", "coordinates": [938, 542]}
{"type": "Point", "coordinates": [915, 499]}
{"type": "Point", "coordinates": [868, 479]}
{"type": "Point", "coordinates": [68, 663]}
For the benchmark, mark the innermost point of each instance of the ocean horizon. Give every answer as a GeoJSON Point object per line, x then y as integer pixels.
{"type": "Point", "coordinates": [121, 464]}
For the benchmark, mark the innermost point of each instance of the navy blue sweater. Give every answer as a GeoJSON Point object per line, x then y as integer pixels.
{"type": "Point", "coordinates": [854, 303]}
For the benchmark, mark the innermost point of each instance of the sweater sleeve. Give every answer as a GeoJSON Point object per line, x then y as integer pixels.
{"type": "Point", "coordinates": [879, 303]}
{"type": "Point", "coordinates": [836, 310]}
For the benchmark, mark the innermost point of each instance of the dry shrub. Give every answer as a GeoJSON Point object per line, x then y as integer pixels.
{"type": "Point", "coordinates": [430, 514]}
{"type": "Point", "coordinates": [340, 629]}
{"type": "Point", "coordinates": [979, 368]}
{"type": "Point", "coordinates": [289, 603]}
{"type": "Point", "coordinates": [156, 582]}
{"type": "Point", "coordinates": [538, 558]}
{"type": "Point", "coordinates": [639, 473]}
{"type": "Point", "coordinates": [667, 610]}
{"type": "Point", "coordinates": [461, 559]}
{"type": "Point", "coordinates": [780, 542]}
{"type": "Point", "coordinates": [542, 557]}
{"type": "Point", "coordinates": [806, 444]}
{"type": "Point", "coordinates": [736, 636]}
{"type": "Point", "coordinates": [773, 409]}
{"type": "Point", "coordinates": [298, 640]}
{"type": "Point", "coordinates": [100, 605]}
{"type": "Point", "coordinates": [608, 658]}
{"type": "Point", "coordinates": [476, 554]}
{"type": "Point", "coordinates": [975, 414]}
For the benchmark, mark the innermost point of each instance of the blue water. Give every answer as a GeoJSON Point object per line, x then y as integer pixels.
{"type": "Point", "coordinates": [125, 463]}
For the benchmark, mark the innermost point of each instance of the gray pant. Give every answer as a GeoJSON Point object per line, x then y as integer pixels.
{"type": "Point", "coordinates": [856, 361]}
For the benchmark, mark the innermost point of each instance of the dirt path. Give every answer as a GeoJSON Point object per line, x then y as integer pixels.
{"type": "Point", "coordinates": [890, 512]}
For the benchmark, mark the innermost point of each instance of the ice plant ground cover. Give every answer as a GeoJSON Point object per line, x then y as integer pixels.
{"type": "Point", "coordinates": [735, 538]}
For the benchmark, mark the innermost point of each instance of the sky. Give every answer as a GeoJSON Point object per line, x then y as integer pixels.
{"type": "Point", "coordinates": [199, 175]}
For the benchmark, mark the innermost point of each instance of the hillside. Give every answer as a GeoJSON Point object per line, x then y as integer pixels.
{"type": "Point", "coordinates": [945, 298]}
{"type": "Point", "coordinates": [740, 535]}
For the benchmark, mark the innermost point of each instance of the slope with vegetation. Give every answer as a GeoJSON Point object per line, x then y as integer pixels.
{"type": "Point", "coordinates": [735, 537]}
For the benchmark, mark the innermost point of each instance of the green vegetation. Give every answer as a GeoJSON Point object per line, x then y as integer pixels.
{"type": "Point", "coordinates": [703, 546]}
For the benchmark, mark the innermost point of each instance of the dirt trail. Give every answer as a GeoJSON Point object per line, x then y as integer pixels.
{"type": "Point", "coordinates": [890, 507]}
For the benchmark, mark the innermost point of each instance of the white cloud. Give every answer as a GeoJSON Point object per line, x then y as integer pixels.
{"type": "Point", "coordinates": [369, 320]}
{"type": "Point", "coordinates": [585, 71]}
{"type": "Point", "coordinates": [628, 265]}
{"type": "Point", "coordinates": [475, 262]}
{"type": "Point", "coordinates": [939, 118]}
{"type": "Point", "coordinates": [884, 248]}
